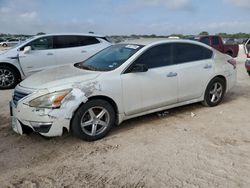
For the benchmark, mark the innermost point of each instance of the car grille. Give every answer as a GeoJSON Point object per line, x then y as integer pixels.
{"type": "Point", "coordinates": [18, 95]}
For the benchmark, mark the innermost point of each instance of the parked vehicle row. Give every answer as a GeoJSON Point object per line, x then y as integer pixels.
{"type": "Point", "coordinates": [44, 51]}
{"type": "Point", "coordinates": [120, 82]}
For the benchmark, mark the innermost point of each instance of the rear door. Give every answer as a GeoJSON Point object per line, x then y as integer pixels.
{"type": "Point", "coordinates": [194, 70]}
{"type": "Point", "coordinates": [40, 57]}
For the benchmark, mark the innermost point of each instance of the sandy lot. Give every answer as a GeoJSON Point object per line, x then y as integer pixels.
{"type": "Point", "coordinates": [170, 149]}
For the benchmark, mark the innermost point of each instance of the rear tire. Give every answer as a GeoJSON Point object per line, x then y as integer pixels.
{"type": "Point", "coordinates": [93, 120]}
{"type": "Point", "coordinates": [215, 92]}
{"type": "Point", "coordinates": [5, 45]}
{"type": "Point", "coordinates": [248, 73]}
{"type": "Point", "coordinates": [9, 78]}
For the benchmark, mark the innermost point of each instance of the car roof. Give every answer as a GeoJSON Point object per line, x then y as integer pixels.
{"type": "Point", "coordinates": [76, 34]}
{"type": "Point", "coordinates": [153, 41]}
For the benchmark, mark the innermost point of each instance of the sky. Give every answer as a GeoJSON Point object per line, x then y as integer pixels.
{"type": "Point", "coordinates": [124, 17]}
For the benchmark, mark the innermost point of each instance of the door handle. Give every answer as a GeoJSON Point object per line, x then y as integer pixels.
{"type": "Point", "coordinates": [172, 74]}
{"type": "Point", "coordinates": [207, 66]}
{"type": "Point", "coordinates": [50, 54]}
{"type": "Point", "coordinates": [83, 51]}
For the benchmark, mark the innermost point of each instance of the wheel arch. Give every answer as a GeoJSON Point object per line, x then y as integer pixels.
{"type": "Point", "coordinates": [108, 99]}
{"type": "Point", "coordinates": [105, 98]}
{"type": "Point", "coordinates": [217, 76]}
{"type": "Point", "coordinates": [223, 78]}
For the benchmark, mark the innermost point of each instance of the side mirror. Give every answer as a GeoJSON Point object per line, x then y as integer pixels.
{"type": "Point", "coordinates": [27, 49]}
{"type": "Point", "coordinates": [139, 68]}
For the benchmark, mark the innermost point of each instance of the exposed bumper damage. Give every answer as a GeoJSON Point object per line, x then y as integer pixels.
{"type": "Point", "coordinates": [48, 122]}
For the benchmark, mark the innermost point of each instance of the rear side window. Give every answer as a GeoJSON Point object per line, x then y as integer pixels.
{"type": "Point", "coordinates": [215, 41]}
{"type": "Point", "coordinates": [157, 56]}
{"type": "Point", "coordinates": [73, 41]}
{"type": "Point", "coordinates": [85, 40]}
{"type": "Point", "coordinates": [205, 40]}
{"type": "Point", "coordinates": [184, 52]}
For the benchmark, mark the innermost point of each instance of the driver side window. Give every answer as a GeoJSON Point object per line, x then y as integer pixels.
{"type": "Point", "coordinates": [157, 56]}
{"type": "Point", "coordinates": [43, 43]}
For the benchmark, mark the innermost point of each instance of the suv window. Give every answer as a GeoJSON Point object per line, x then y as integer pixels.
{"type": "Point", "coordinates": [43, 43]}
{"type": "Point", "coordinates": [85, 40]}
{"type": "Point", "coordinates": [205, 40]}
{"type": "Point", "coordinates": [184, 52]}
{"type": "Point", "coordinates": [73, 41]}
{"type": "Point", "coordinates": [215, 41]}
{"type": "Point", "coordinates": [157, 56]}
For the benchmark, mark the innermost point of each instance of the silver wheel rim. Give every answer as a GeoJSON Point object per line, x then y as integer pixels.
{"type": "Point", "coordinates": [95, 121]}
{"type": "Point", "coordinates": [216, 92]}
{"type": "Point", "coordinates": [7, 78]}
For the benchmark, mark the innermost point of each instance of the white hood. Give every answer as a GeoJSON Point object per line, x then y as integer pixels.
{"type": "Point", "coordinates": [54, 77]}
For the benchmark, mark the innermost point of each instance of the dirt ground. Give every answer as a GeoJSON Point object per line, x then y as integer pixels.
{"type": "Point", "coordinates": [191, 146]}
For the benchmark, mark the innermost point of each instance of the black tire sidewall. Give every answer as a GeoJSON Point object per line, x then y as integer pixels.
{"type": "Point", "coordinates": [210, 85]}
{"type": "Point", "coordinates": [76, 120]}
{"type": "Point", "coordinates": [16, 77]}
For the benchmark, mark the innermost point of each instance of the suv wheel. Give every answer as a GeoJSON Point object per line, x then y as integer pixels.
{"type": "Point", "coordinates": [8, 77]}
{"type": "Point", "coordinates": [93, 120]}
{"type": "Point", "coordinates": [215, 92]}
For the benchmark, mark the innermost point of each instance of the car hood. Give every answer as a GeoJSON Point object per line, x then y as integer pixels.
{"type": "Point", "coordinates": [54, 77]}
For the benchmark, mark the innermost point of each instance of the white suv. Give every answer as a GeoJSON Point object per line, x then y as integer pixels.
{"type": "Point", "coordinates": [41, 52]}
{"type": "Point", "coordinates": [121, 82]}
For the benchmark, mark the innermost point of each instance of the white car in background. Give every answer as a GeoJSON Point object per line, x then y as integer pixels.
{"type": "Point", "coordinates": [46, 51]}
{"type": "Point", "coordinates": [121, 82]}
{"type": "Point", "coordinates": [9, 43]}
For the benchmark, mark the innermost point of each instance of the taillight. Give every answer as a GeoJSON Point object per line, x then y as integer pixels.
{"type": "Point", "coordinates": [248, 55]}
{"type": "Point", "coordinates": [232, 62]}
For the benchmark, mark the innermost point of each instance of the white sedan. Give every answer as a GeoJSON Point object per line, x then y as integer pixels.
{"type": "Point", "coordinates": [121, 82]}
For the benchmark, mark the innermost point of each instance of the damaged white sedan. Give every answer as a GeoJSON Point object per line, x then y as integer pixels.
{"type": "Point", "coordinates": [121, 82]}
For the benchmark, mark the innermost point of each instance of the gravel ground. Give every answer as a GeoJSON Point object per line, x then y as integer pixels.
{"type": "Point", "coordinates": [191, 146]}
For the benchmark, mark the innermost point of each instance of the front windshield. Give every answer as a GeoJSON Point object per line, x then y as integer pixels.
{"type": "Point", "coordinates": [110, 58]}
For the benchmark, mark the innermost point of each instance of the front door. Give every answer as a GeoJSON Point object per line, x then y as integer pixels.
{"type": "Point", "coordinates": [158, 87]}
{"type": "Point", "coordinates": [39, 58]}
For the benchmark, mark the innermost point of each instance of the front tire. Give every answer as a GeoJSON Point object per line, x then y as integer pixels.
{"type": "Point", "coordinates": [5, 45]}
{"type": "Point", "coordinates": [215, 92]}
{"type": "Point", "coordinates": [93, 120]}
{"type": "Point", "coordinates": [8, 77]}
{"type": "Point", "coordinates": [248, 73]}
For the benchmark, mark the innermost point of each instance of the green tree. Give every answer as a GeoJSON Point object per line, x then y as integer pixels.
{"type": "Point", "coordinates": [204, 33]}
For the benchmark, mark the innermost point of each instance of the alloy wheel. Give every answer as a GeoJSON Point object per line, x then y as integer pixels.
{"type": "Point", "coordinates": [216, 92]}
{"type": "Point", "coordinates": [95, 121]}
{"type": "Point", "coordinates": [7, 78]}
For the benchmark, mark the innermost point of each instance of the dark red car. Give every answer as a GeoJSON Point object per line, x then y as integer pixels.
{"type": "Point", "coordinates": [217, 43]}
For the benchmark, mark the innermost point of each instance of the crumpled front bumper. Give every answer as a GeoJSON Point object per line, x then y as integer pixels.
{"type": "Point", "coordinates": [47, 122]}
{"type": "Point", "coordinates": [24, 116]}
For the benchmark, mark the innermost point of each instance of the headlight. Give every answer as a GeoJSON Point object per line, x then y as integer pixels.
{"type": "Point", "coordinates": [51, 100]}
